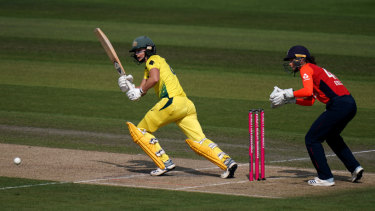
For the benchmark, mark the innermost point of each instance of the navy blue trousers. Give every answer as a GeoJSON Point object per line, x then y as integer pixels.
{"type": "Point", "coordinates": [339, 111]}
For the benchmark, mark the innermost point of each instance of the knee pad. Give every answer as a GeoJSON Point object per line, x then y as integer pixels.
{"type": "Point", "coordinates": [208, 151]}
{"type": "Point", "coordinates": [148, 144]}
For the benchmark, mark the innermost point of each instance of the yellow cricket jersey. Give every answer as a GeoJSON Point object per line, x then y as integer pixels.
{"type": "Point", "coordinates": [168, 85]}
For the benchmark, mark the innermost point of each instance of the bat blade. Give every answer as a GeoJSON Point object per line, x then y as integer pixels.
{"type": "Point", "coordinates": [110, 51]}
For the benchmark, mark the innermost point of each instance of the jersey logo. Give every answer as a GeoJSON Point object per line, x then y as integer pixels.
{"type": "Point", "coordinates": [151, 62]}
{"type": "Point", "coordinates": [305, 77]}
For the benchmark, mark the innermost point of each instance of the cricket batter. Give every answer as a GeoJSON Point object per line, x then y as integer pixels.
{"type": "Point", "coordinates": [322, 85]}
{"type": "Point", "coordinates": [173, 106]}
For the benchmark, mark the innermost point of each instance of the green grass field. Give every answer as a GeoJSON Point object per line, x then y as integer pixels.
{"type": "Point", "coordinates": [228, 57]}
{"type": "Point", "coordinates": [91, 197]}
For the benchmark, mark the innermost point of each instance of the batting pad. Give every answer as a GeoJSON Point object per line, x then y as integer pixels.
{"type": "Point", "coordinates": [149, 145]}
{"type": "Point", "coordinates": [210, 151]}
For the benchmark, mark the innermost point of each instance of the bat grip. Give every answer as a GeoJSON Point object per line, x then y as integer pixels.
{"type": "Point", "coordinates": [129, 84]}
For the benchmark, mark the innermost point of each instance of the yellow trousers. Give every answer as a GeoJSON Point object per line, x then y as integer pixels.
{"type": "Point", "coordinates": [181, 111]}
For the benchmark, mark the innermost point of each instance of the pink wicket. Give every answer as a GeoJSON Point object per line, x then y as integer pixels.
{"type": "Point", "coordinates": [254, 139]}
{"type": "Point", "coordinates": [262, 170]}
{"type": "Point", "coordinates": [256, 131]}
{"type": "Point", "coordinates": [251, 146]}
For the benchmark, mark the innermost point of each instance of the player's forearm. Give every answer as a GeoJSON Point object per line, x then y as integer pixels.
{"type": "Point", "coordinates": [309, 101]}
{"type": "Point", "coordinates": [142, 85]}
{"type": "Point", "coordinates": [306, 91]}
{"type": "Point", "coordinates": [147, 84]}
{"type": "Point", "coordinates": [151, 81]}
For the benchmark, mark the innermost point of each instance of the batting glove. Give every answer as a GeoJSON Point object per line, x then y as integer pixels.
{"type": "Point", "coordinates": [134, 94]}
{"type": "Point", "coordinates": [125, 82]}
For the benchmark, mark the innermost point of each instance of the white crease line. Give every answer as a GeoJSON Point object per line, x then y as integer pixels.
{"type": "Point", "coordinates": [237, 194]}
{"type": "Point", "coordinates": [34, 185]}
{"type": "Point", "coordinates": [208, 185]}
{"type": "Point", "coordinates": [111, 178]}
{"type": "Point", "coordinates": [364, 151]}
{"type": "Point", "coordinates": [82, 181]}
{"type": "Point", "coordinates": [307, 158]}
{"type": "Point", "coordinates": [179, 189]}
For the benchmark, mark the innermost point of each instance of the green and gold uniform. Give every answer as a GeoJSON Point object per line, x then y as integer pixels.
{"type": "Point", "coordinates": [174, 106]}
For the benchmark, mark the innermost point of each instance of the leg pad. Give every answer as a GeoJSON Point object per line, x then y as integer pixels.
{"type": "Point", "coordinates": [149, 145]}
{"type": "Point", "coordinates": [208, 151]}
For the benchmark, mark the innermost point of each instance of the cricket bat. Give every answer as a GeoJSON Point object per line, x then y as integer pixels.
{"type": "Point", "coordinates": [110, 51]}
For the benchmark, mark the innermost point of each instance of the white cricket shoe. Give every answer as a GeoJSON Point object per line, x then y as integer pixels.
{"type": "Point", "coordinates": [320, 182]}
{"type": "Point", "coordinates": [169, 166]}
{"type": "Point", "coordinates": [232, 167]}
{"type": "Point", "coordinates": [357, 174]}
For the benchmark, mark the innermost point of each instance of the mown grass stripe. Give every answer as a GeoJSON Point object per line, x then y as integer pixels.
{"type": "Point", "coordinates": [182, 35]}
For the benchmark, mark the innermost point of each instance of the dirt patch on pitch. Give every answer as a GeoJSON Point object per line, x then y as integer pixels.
{"type": "Point", "coordinates": [125, 170]}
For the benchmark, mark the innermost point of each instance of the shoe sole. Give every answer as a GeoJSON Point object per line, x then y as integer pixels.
{"type": "Point", "coordinates": [170, 168]}
{"type": "Point", "coordinates": [232, 169]}
{"type": "Point", "coordinates": [319, 182]}
{"type": "Point", "coordinates": [322, 185]}
{"type": "Point", "coordinates": [359, 176]}
{"type": "Point", "coordinates": [159, 173]}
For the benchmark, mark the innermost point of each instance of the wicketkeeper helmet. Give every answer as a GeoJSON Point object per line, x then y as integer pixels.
{"type": "Point", "coordinates": [297, 51]}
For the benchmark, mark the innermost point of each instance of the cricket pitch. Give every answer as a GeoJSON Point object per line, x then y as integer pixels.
{"type": "Point", "coordinates": [124, 170]}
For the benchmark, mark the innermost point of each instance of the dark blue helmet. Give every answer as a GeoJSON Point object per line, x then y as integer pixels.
{"type": "Point", "coordinates": [297, 51]}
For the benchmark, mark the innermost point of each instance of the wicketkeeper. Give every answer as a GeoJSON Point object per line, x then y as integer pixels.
{"type": "Point", "coordinates": [322, 85]}
{"type": "Point", "coordinates": [173, 106]}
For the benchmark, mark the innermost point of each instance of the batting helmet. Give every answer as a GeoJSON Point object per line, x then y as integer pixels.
{"type": "Point", "coordinates": [143, 42]}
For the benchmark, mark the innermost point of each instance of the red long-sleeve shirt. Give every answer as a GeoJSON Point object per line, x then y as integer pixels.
{"type": "Point", "coordinates": [319, 84]}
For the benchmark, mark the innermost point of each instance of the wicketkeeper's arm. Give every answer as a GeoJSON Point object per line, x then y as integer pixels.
{"type": "Point", "coordinates": [307, 101]}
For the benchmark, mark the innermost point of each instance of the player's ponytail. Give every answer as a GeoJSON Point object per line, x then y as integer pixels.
{"type": "Point", "coordinates": [311, 59]}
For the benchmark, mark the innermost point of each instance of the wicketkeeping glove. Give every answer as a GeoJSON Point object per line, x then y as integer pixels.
{"type": "Point", "coordinates": [285, 101]}
{"type": "Point", "coordinates": [288, 93]}
{"type": "Point", "coordinates": [125, 82]}
{"type": "Point", "coordinates": [278, 98]}
{"type": "Point", "coordinates": [275, 90]}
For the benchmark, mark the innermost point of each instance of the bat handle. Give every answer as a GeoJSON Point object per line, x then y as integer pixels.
{"type": "Point", "coordinates": [119, 68]}
{"type": "Point", "coordinates": [129, 84]}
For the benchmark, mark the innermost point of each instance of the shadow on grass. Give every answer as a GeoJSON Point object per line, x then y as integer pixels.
{"type": "Point", "coordinates": [145, 167]}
